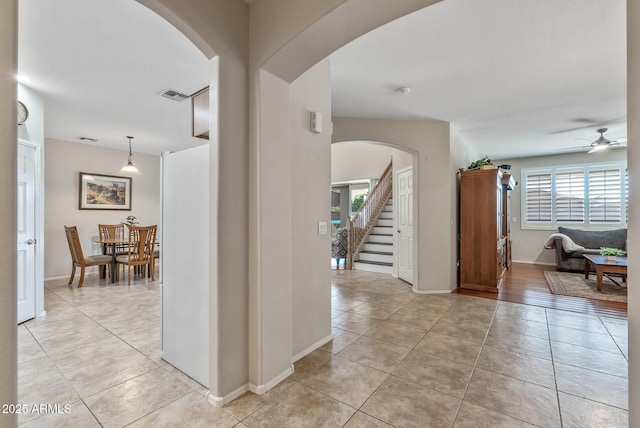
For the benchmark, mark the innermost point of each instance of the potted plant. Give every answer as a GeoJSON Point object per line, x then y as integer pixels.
{"type": "Point", "coordinates": [484, 163]}
{"type": "Point", "coordinates": [130, 221]}
{"type": "Point", "coordinates": [611, 253]}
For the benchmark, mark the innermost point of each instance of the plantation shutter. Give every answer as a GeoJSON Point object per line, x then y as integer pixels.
{"type": "Point", "coordinates": [538, 198]}
{"type": "Point", "coordinates": [604, 196]}
{"type": "Point", "coordinates": [570, 196]}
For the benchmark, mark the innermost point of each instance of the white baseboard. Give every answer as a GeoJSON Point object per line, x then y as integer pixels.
{"type": "Point", "coordinates": [51, 278]}
{"type": "Point", "coordinates": [443, 291]}
{"type": "Point", "coordinates": [529, 262]}
{"type": "Point", "coordinates": [221, 401]}
{"type": "Point", "coordinates": [261, 389]}
{"type": "Point", "coordinates": [312, 348]}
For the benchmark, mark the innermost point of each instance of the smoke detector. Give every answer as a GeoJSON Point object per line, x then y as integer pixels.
{"type": "Point", "coordinates": [173, 95]}
{"type": "Point", "coordinates": [403, 90]}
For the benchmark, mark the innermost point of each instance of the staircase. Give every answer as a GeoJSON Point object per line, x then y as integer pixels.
{"type": "Point", "coordinates": [376, 254]}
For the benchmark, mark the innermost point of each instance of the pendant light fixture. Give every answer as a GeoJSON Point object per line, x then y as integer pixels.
{"type": "Point", "coordinates": [129, 168]}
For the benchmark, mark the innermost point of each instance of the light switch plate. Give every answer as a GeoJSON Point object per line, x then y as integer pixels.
{"type": "Point", "coordinates": [322, 228]}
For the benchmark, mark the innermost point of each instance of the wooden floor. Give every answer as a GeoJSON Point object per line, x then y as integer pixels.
{"type": "Point", "coordinates": [525, 283]}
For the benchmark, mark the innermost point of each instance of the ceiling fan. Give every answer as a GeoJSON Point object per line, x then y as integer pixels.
{"type": "Point", "coordinates": [602, 143]}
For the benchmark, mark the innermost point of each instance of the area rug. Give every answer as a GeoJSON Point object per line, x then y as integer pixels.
{"type": "Point", "coordinates": [574, 284]}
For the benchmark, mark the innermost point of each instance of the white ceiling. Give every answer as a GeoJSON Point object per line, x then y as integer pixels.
{"type": "Point", "coordinates": [99, 66]}
{"type": "Point", "coordinates": [516, 78]}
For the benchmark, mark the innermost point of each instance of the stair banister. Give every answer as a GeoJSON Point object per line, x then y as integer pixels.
{"type": "Point", "coordinates": [363, 220]}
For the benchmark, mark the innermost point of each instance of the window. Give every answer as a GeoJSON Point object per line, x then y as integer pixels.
{"type": "Point", "coordinates": [582, 195]}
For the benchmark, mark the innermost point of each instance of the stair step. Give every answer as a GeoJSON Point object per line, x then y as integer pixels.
{"type": "Point", "coordinates": [379, 267]}
{"type": "Point", "coordinates": [375, 256]}
{"type": "Point", "coordinates": [386, 214]}
{"type": "Point", "coordinates": [384, 222]}
{"type": "Point", "coordinates": [378, 246]}
{"type": "Point", "coordinates": [380, 239]}
{"type": "Point", "coordinates": [382, 230]}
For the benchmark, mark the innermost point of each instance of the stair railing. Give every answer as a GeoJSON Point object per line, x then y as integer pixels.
{"type": "Point", "coordinates": [363, 220]}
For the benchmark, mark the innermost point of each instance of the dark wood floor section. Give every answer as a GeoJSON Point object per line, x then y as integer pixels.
{"type": "Point", "coordinates": [525, 283]}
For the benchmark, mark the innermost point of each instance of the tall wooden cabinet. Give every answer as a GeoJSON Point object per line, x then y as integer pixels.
{"type": "Point", "coordinates": [485, 242]}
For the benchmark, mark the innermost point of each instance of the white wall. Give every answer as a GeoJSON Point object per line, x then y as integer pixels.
{"type": "Point", "coordinates": [310, 202]}
{"type": "Point", "coordinates": [358, 160]}
{"type": "Point", "coordinates": [528, 244]}
{"type": "Point", "coordinates": [432, 145]}
{"type": "Point", "coordinates": [64, 160]}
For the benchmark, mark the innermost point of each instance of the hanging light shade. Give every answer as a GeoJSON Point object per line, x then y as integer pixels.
{"type": "Point", "coordinates": [130, 168]}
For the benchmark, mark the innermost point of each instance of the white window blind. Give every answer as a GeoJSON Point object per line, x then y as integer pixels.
{"type": "Point", "coordinates": [570, 197]}
{"type": "Point", "coordinates": [538, 206]}
{"type": "Point", "coordinates": [593, 195]}
{"type": "Point", "coordinates": [604, 196]}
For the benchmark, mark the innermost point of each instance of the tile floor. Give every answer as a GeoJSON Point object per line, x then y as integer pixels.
{"type": "Point", "coordinates": [397, 359]}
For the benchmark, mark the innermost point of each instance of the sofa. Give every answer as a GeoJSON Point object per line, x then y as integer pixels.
{"type": "Point", "coordinates": [590, 240]}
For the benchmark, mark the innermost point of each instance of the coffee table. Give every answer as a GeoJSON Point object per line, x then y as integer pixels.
{"type": "Point", "coordinates": [603, 265]}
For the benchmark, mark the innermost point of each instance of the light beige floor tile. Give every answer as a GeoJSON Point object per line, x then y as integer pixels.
{"type": "Point", "coordinates": [517, 310]}
{"type": "Point", "coordinates": [38, 368]}
{"type": "Point", "coordinates": [301, 407]}
{"type": "Point", "coordinates": [513, 397]}
{"type": "Point", "coordinates": [524, 367]}
{"type": "Point", "coordinates": [345, 381]}
{"type": "Point", "coordinates": [248, 403]}
{"type": "Point", "coordinates": [519, 343]}
{"type": "Point", "coordinates": [593, 385]}
{"type": "Point", "coordinates": [422, 319]}
{"type": "Point", "coordinates": [73, 339]}
{"type": "Point", "coordinates": [76, 415]}
{"type": "Point", "coordinates": [396, 334]}
{"type": "Point", "coordinates": [344, 303]}
{"type": "Point", "coordinates": [89, 353]}
{"type": "Point", "coordinates": [52, 390]}
{"type": "Point", "coordinates": [378, 311]}
{"type": "Point", "coordinates": [575, 320]}
{"type": "Point", "coordinates": [135, 398]}
{"type": "Point", "coordinates": [190, 382]}
{"type": "Point", "coordinates": [446, 347]}
{"type": "Point", "coordinates": [362, 420]}
{"type": "Point", "coordinates": [442, 375]}
{"type": "Point", "coordinates": [586, 339]}
{"type": "Point", "coordinates": [53, 328]}
{"type": "Point", "coordinates": [153, 352]}
{"type": "Point", "coordinates": [335, 313]}
{"type": "Point", "coordinates": [108, 372]}
{"type": "Point", "coordinates": [394, 299]}
{"type": "Point", "coordinates": [354, 323]}
{"type": "Point", "coordinates": [615, 326]}
{"type": "Point", "coordinates": [454, 316]}
{"type": "Point", "coordinates": [473, 416]}
{"type": "Point", "coordinates": [521, 326]}
{"type": "Point", "coordinates": [429, 305]}
{"type": "Point", "coordinates": [404, 404]}
{"type": "Point", "coordinates": [581, 413]}
{"type": "Point", "coordinates": [341, 339]}
{"type": "Point", "coordinates": [305, 365]}
{"type": "Point", "coordinates": [374, 353]}
{"type": "Point", "coordinates": [468, 303]}
{"type": "Point", "coordinates": [192, 410]}
{"type": "Point", "coordinates": [29, 348]}
{"type": "Point", "coordinates": [140, 337]}
{"type": "Point", "coordinates": [592, 359]}
{"type": "Point", "coordinates": [468, 332]}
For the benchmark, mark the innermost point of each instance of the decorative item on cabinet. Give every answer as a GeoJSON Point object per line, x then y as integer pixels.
{"type": "Point", "coordinates": [200, 113]}
{"type": "Point", "coordinates": [485, 244]}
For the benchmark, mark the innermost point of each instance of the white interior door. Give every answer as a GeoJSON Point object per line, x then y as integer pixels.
{"type": "Point", "coordinates": [184, 261]}
{"type": "Point", "coordinates": [405, 224]}
{"type": "Point", "coordinates": [26, 282]}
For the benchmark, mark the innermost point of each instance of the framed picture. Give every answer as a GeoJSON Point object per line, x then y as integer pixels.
{"type": "Point", "coordinates": [104, 192]}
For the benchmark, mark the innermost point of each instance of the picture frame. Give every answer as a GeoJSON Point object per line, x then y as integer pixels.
{"type": "Point", "coordinates": [104, 192]}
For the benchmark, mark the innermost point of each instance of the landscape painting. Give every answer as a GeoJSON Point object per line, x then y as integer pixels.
{"type": "Point", "coordinates": [104, 192]}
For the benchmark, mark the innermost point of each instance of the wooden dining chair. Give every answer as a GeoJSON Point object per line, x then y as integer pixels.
{"type": "Point", "coordinates": [77, 257]}
{"type": "Point", "coordinates": [113, 231]}
{"type": "Point", "coordinates": [141, 250]}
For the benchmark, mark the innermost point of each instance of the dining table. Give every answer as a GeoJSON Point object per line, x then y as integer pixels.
{"type": "Point", "coordinates": [113, 243]}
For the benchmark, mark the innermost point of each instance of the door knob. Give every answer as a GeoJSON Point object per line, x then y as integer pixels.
{"type": "Point", "coordinates": [31, 241]}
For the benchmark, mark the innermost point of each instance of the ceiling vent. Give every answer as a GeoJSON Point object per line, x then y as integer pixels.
{"type": "Point", "coordinates": [174, 95]}
{"type": "Point", "coordinates": [93, 140]}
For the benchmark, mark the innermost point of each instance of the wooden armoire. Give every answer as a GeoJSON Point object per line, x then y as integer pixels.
{"type": "Point", "coordinates": [485, 241]}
